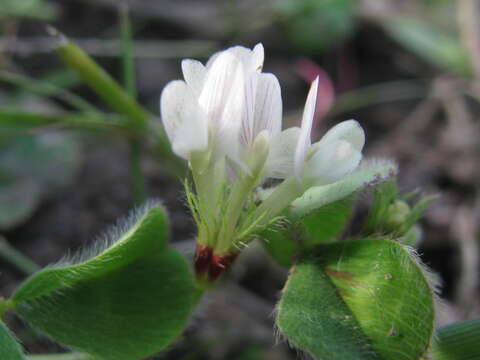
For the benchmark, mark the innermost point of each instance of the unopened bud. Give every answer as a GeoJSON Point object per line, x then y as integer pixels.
{"type": "Point", "coordinates": [397, 215]}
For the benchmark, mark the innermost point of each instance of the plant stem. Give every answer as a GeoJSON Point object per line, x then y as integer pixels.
{"type": "Point", "coordinates": [100, 82]}
{"type": "Point", "coordinates": [19, 119]}
{"type": "Point", "coordinates": [16, 258]}
{"type": "Point", "coordinates": [128, 70]}
{"type": "Point", "coordinates": [5, 305]}
{"type": "Point", "coordinates": [45, 89]}
{"type": "Point", "coordinates": [127, 52]}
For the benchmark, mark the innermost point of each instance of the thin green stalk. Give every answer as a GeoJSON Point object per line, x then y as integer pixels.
{"type": "Point", "coordinates": [100, 82]}
{"type": "Point", "coordinates": [5, 305]}
{"type": "Point", "coordinates": [20, 119]}
{"type": "Point", "coordinates": [16, 258]}
{"type": "Point", "coordinates": [378, 94]}
{"type": "Point", "coordinates": [128, 67]}
{"type": "Point", "coordinates": [279, 199]}
{"type": "Point", "coordinates": [46, 89]}
{"type": "Point", "coordinates": [127, 52]}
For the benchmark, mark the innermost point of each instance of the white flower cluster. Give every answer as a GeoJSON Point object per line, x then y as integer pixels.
{"type": "Point", "coordinates": [225, 118]}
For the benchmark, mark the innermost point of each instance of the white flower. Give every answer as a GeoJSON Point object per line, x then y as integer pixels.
{"type": "Point", "coordinates": [222, 106]}
{"type": "Point", "coordinates": [337, 154]}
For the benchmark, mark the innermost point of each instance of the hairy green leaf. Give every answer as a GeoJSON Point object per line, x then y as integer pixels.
{"type": "Point", "coordinates": [9, 347]}
{"type": "Point", "coordinates": [294, 236]}
{"type": "Point", "coordinates": [325, 224]}
{"type": "Point", "coordinates": [127, 301]}
{"type": "Point", "coordinates": [457, 342]}
{"type": "Point", "coordinates": [369, 174]}
{"type": "Point", "coordinates": [361, 299]}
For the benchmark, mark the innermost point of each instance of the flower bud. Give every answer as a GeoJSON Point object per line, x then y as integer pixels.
{"type": "Point", "coordinates": [397, 215]}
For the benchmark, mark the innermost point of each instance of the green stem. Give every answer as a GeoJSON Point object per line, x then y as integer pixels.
{"type": "Point", "coordinates": [5, 305]}
{"type": "Point", "coordinates": [127, 53]}
{"type": "Point", "coordinates": [239, 195]}
{"type": "Point", "coordinates": [45, 89]}
{"type": "Point", "coordinates": [100, 82]}
{"type": "Point", "coordinates": [16, 258]}
{"type": "Point", "coordinates": [138, 181]}
{"type": "Point", "coordinates": [78, 120]}
{"type": "Point", "coordinates": [279, 199]}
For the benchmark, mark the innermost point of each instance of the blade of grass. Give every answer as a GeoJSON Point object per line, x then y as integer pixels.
{"type": "Point", "coordinates": [128, 67]}
{"type": "Point", "coordinates": [30, 120]}
{"type": "Point", "coordinates": [100, 82]}
{"type": "Point", "coordinates": [16, 258]}
{"type": "Point", "coordinates": [46, 89]}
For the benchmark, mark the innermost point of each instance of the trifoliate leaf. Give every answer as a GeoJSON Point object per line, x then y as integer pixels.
{"type": "Point", "coordinates": [9, 347]}
{"type": "Point", "coordinates": [360, 299]}
{"type": "Point", "coordinates": [457, 342]}
{"type": "Point", "coordinates": [125, 300]}
{"type": "Point", "coordinates": [294, 236]}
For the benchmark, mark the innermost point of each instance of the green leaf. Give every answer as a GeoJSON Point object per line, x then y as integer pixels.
{"type": "Point", "coordinates": [429, 43]}
{"type": "Point", "coordinates": [371, 173]}
{"type": "Point", "coordinates": [457, 342]}
{"type": "Point", "coordinates": [282, 242]}
{"type": "Point", "coordinates": [321, 212]}
{"type": "Point", "coordinates": [9, 347]}
{"type": "Point", "coordinates": [391, 215]}
{"type": "Point", "coordinates": [32, 168]}
{"type": "Point", "coordinates": [294, 236]}
{"type": "Point", "coordinates": [413, 237]}
{"type": "Point", "coordinates": [327, 222]}
{"type": "Point", "coordinates": [360, 299]}
{"type": "Point", "coordinates": [128, 301]}
{"type": "Point", "coordinates": [64, 356]}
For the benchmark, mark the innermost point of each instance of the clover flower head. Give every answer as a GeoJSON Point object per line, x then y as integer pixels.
{"type": "Point", "coordinates": [225, 118]}
{"type": "Point", "coordinates": [220, 108]}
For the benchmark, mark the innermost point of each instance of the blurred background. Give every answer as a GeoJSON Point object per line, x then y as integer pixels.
{"type": "Point", "coordinates": [408, 71]}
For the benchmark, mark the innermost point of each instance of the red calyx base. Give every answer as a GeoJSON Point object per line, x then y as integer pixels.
{"type": "Point", "coordinates": [210, 265]}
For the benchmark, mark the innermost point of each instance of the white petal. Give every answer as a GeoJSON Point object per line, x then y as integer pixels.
{"type": "Point", "coordinates": [247, 129]}
{"type": "Point", "coordinates": [281, 153]}
{"type": "Point", "coordinates": [349, 130]}
{"type": "Point", "coordinates": [258, 57]}
{"type": "Point", "coordinates": [304, 140]}
{"type": "Point", "coordinates": [252, 60]}
{"type": "Point", "coordinates": [219, 82]}
{"type": "Point", "coordinates": [228, 125]}
{"type": "Point", "coordinates": [194, 74]}
{"type": "Point", "coordinates": [332, 161]}
{"type": "Point", "coordinates": [184, 121]}
{"type": "Point", "coordinates": [268, 106]}
{"type": "Point", "coordinates": [241, 53]}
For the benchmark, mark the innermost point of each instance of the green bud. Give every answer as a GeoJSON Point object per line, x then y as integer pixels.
{"type": "Point", "coordinates": [397, 215]}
